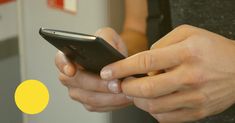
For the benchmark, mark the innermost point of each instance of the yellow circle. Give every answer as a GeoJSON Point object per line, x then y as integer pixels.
{"type": "Point", "coordinates": [31, 96]}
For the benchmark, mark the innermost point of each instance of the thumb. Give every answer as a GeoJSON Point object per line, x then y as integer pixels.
{"type": "Point", "coordinates": [113, 38]}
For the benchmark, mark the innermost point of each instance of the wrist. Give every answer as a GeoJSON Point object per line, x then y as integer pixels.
{"type": "Point", "coordinates": [135, 41]}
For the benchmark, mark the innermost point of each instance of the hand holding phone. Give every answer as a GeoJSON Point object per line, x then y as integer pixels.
{"type": "Point", "coordinates": [91, 52]}
{"type": "Point", "coordinates": [87, 87]}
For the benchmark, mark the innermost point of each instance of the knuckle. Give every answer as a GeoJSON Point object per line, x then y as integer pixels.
{"type": "Point", "coordinates": [195, 78]}
{"type": "Point", "coordinates": [145, 60]}
{"type": "Point", "coordinates": [151, 107]}
{"type": "Point", "coordinates": [103, 86]}
{"type": "Point", "coordinates": [190, 52]}
{"type": "Point", "coordinates": [83, 98]}
{"type": "Point", "coordinates": [111, 30]}
{"type": "Point", "coordinates": [102, 31]}
{"type": "Point", "coordinates": [199, 114]}
{"type": "Point", "coordinates": [197, 100]}
{"type": "Point", "coordinates": [90, 108]}
{"type": "Point", "coordinates": [183, 27]}
{"type": "Point", "coordinates": [74, 95]}
{"type": "Point", "coordinates": [80, 80]}
{"type": "Point", "coordinates": [147, 90]}
{"type": "Point", "coordinates": [63, 80]}
{"type": "Point", "coordinates": [92, 100]}
{"type": "Point", "coordinates": [107, 29]}
{"type": "Point", "coordinates": [193, 47]}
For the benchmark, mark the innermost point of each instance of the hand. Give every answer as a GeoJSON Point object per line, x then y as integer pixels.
{"type": "Point", "coordinates": [199, 77]}
{"type": "Point", "coordinates": [89, 89]}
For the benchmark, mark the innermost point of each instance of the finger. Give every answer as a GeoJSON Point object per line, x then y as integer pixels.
{"type": "Point", "coordinates": [64, 65]}
{"type": "Point", "coordinates": [180, 116]}
{"type": "Point", "coordinates": [152, 86]}
{"type": "Point", "coordinates": [171, 102]}
{"type": "Point", "coordinates": [91, 82]}
{"type": "Point", "coordinates": [105, 108]}
{"type": "Point", "coordinates": [96, 99]}
{"type": "Point", "coordinates": [112, 37]}
{"type": "Point", "coordinates": [147, 61]}
{"type": "Point", "coordinates": [179, 34]}
{"type": "Point", "coordinates": [108, 35]}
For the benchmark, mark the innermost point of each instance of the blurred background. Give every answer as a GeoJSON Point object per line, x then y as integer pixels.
{"type": "Point", "coordinates": [25, 55]}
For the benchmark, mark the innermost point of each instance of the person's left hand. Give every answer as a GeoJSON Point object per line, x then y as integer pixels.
{"type": "Point", "coordinates": [198, 78]}
{"type": "Point", "coordinates": [88, 88]}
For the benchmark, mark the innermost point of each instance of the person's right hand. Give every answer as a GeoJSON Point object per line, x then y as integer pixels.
{"type": "Point", "coordinates": [88, 88]}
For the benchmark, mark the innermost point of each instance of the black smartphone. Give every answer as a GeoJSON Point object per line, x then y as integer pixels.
{"type": "Point", "coordinates": [91, 52]}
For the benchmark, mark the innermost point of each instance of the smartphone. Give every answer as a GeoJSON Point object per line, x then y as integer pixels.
{"type": "Point", "coordinates": [91, 52]}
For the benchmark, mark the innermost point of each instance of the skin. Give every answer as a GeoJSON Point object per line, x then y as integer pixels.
{"type": "Point", "coordinates": [89, 89]}
{"type": "Point", "coordinates": [191, 72]}
{"type": "Point", "coordinates": [198, 78]}
{"type": "Point", "coordinates": [134, 28]}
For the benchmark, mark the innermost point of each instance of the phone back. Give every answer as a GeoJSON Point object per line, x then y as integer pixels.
{"type": "Point", "coordinates": [91, 53]}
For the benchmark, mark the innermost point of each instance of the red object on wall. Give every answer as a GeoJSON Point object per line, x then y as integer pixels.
{"type": "Point", "coordinates": [56, 3]}
{"type": "Point", "coordinates": [65, 5]}
{"type": "Point", "coordinates": [5, 1]}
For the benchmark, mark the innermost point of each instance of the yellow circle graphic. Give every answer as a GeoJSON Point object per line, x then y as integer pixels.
{"type": "Point", "coordinates": [31, 96]}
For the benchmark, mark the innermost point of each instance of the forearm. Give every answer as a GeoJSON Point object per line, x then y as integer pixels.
{"type": "Point", "coordinates": [134, 28]}
{"type": "Point", "coordinates": [134, 40]}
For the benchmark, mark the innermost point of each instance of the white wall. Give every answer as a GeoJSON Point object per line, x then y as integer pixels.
{"type": "Point", "coordinates": [8, 20]}
{"type": "Point", "coordinates": [9, 79]}
{"type": "Point", "coordinates": [37, 56]}
{"type": "Point", "coordinates": [9, 64]}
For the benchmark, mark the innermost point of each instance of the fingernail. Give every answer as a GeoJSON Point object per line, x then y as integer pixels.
{"type": "Point", "coordinates": [106, 74]}
{"type": "Point", "coordinates": [66, 70]}
{"type": "Point", "coordinates": [114, 86]}
{"type": "Point", "coordinates": [129, 97]}
{"type": "Point", "coordinates": [63, 58]}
